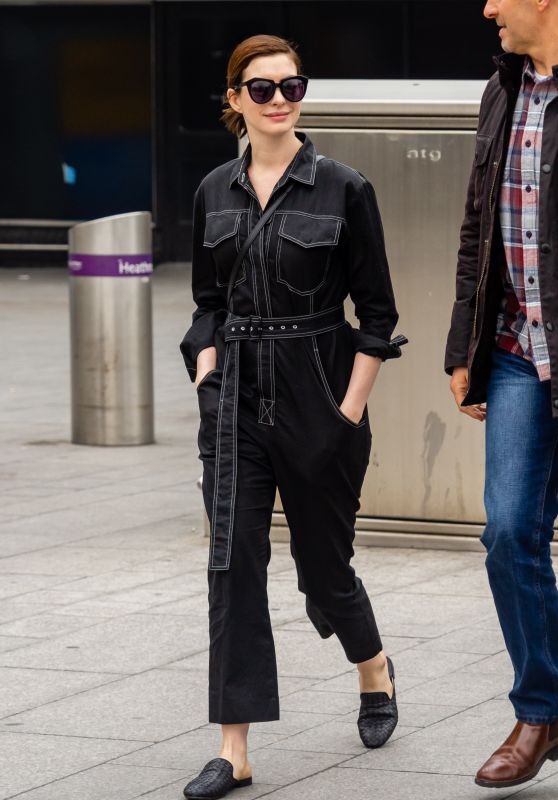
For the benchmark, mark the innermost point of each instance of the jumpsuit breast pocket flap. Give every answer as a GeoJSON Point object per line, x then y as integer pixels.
{"type": "Point", "coordinates": [222, 236]}
{"type": "Point", "coordinates": [306, 242]}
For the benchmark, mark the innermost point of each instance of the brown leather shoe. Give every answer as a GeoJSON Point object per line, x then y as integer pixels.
{"type": "Point", "coordinates": [521, 756]}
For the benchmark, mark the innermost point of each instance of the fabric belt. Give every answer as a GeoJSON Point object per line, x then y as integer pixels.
{"type": "Point", "coordinates": [265, 330]}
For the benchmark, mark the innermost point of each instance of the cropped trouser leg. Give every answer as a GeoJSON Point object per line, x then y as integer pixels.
{"type": "Point", "coordinates": [320, 490]}
{"type": "Point", "coordinates": [242, 664]}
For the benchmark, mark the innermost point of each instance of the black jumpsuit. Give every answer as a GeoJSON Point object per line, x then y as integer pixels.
{"type": "Point", "coordinates": [270, 416]}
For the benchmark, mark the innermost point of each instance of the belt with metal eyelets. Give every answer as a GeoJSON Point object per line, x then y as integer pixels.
{"type": "Point", "coordinates": [239, 329]}
{"type": "Point", "coordinates": [283, 327]}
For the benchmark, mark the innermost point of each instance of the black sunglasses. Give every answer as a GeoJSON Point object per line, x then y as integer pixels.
{"type": "Point", "coordinates": [262, 90]}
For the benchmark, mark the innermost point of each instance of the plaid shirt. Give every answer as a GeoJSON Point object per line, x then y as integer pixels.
{"type": "Point", "coordinates": [519, 328]}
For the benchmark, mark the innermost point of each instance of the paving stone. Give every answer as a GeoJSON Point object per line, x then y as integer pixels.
{"type": "Point", "coordinates": [354, 784]}
{"type": "Point", "coordinates": [190, 751]}
{"type": "Point", "coordinates": [22, 689]}
{"type": "Point", "coordinates": [8, 643]}
{"type": "Point", "coordinates": [381, 572]}
{"type": "Point", "coordinates": [174, 790]}
{"type": "Point", "coordinates": [348, 682]}
{"type": "Point", "coordinates": [293, 722]}
{"type": "Point", "coordinates": [102, 607]}
{"type": "Point", "coordinates": [467, 583]}
{"type": "Point", "coordinates": [458, 745]}
{"type": "Point", "coordinates": [282, 767]}
{"type": "Point", "coordinates": [307, 655]}
{"type": "Point", "coordinates": [546, 789]}
{"type": "Point", "coordinates": [458, 688]}
{"type": "Point", "coordinates": [25, 535]}
{"type": "Point", "coordinates": [413, 715]}
{"type": "Point", "coordinates": [5, 518]}
{"type": "Point", "coordinates": [73, 560]}
{"type": "Point", "coordinates": [14, 585]}
{"type": "Point", "coordinates": [330, 702]}
{"type": "Point", "coordinates": [12, 609]}
{"type": "Point", "coordinates": [165, 478]}
{"type": "Point", "coordinates": [498, 713]}
{"type": "Point", "coordinates": [118, 580]}
{"type": "Point", "coordinates": [45, 626]}
{"type": "Point", "coordinates": [31, 761]}
{"type": "Point", "coordinates": [27, 507]}
{"type": "Point", "coordinates": [333, 736]}
{"type": "Point", "coordinates": [421, 615]}
{"type": "Point", "coordinates": [497, 664]}
{"type": "Point", "coordinates": [155, 596]}
{"type": "Point", "coordinates": [420, 663]}
{"type": "Point", "coordinates": [195, 605]}
{"type": "Point", "coordinates": [199, 662]}
{"type": "Point", "coordinates": [107, 782]}
{"type": "Point", "coordinates": [59, 596]}
{"type": "Point", "coordinates": [466, 640]}
{"type": "Point", "coordinates": [290, 684]}
{"type": "Point", "coordinates": [155, 705]}
{"type": "Point", "coordinates": [115, 645]}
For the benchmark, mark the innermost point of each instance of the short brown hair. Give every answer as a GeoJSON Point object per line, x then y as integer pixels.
{"type": "Point", "coordinates": [242, 55]}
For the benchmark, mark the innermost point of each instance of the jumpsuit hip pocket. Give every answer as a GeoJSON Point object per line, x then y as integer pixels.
{"type": "Point", "coordinates": [208, 392]}
{"type": "Point", "coordinates": [330, 397]}
{"type": "Point", "coordinates": [222, 236]}
{"type": "Point", "coordinates": [304, 248]}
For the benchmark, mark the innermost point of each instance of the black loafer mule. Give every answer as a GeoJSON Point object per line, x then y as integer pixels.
{"type": "Point", "coordinates": [215, 780]}
{"type": "Point", "coordinates": [378, 716]}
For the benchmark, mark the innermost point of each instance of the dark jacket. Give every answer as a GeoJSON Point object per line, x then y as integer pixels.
{"type": "Point", "coordinates": [481, 257]}
{"type": "Point", "coordinates": [323, 243]}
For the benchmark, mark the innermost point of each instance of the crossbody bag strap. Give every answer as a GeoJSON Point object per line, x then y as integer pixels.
{"type": "Point", "coordinates": [246, 246]}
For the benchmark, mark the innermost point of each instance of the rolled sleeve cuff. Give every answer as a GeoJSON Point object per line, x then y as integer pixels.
{"type": "Point", "coordinates": [373, 345]}
{"type": "Point", "coordinates": [200, 336]}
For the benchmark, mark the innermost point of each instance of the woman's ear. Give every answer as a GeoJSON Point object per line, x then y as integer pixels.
{"type": "Point", "coordinates": [232, 98]}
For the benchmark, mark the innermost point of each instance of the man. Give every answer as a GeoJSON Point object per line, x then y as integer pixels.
{"type": "Point", "coordinates": [502, 354]}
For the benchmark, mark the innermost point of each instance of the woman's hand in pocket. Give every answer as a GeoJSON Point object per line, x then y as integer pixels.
{"type": "Point", "coordinates": [351, 410]}
{"type": "Point", "coordinates": [205, 362]}
{"type": "Point", "coordinates": [365, 370]}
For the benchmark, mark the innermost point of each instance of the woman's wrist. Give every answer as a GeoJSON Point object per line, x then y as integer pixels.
{"type": "Point", "coordinates": [205, 362]}
{"type": "Point", "coordinates": [363, 376]}
{"type": "Point", "coordinates": [352, 408]}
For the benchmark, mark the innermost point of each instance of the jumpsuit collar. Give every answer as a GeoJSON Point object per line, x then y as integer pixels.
{"type": "Point", "coordinates": [302, 168]}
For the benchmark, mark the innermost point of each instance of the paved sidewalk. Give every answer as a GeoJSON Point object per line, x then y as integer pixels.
{"type": "Point", "coordinates": [103, 611]}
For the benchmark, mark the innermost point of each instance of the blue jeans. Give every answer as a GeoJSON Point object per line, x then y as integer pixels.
{"type": "Point", "coordinates": [521, 499]}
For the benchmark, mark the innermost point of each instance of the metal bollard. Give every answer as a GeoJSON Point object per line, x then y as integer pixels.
{"type": "Point", "coordinates": [110, 265]}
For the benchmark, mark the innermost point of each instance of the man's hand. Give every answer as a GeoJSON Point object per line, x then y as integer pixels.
{"type": "Point", "coordinates": [459, 385]}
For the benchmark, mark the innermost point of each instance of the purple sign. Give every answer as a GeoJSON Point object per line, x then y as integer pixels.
{"type": "Point", "coordinates": [110, 266]}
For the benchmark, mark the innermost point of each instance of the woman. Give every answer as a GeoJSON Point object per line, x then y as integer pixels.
{"type": "Point", "coordinates": [282, 383]}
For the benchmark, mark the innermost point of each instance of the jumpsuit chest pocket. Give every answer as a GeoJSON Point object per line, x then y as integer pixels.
{"type": "Point", "coordinates": [304, 249]}
{"type": "Point", "coordinates": [222, 231]}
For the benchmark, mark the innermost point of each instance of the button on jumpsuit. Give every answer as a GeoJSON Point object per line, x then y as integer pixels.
{"type": "Point", "coordinates": [284, 428]}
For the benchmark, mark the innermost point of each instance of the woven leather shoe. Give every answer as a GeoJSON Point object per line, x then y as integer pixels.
{"type": "Point", "coordinates": [378, 715]}
{"type": "Point", "coordinates": [521, 756]}
{"type": "Point", "coordinates": [215, 780]}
